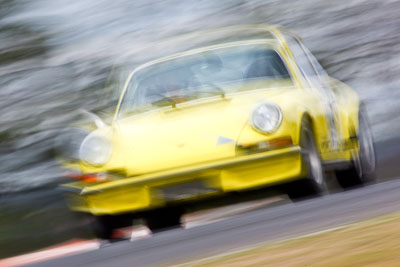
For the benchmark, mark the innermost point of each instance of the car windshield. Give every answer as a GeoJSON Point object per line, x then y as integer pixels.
{"type": "Point", "coordinates": [208, 73]}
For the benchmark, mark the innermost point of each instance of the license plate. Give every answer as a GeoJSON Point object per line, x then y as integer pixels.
{"type": "Point", "coordinates": [186, 190]}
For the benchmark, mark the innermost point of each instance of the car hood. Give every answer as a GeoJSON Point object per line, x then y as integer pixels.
{"type": "Point", "coordinates": [188, 134]}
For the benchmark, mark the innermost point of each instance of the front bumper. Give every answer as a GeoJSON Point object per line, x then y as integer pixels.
{"type": "Point", "coordinates": [191, 183]}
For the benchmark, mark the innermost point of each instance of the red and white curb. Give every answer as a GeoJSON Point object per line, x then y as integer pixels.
{"type": "Point", "coordinates": [72, 247]}
{"type": "Point", "coordinates": [134, 233]}
{"type": "Point", "coordinates": [65, 249]}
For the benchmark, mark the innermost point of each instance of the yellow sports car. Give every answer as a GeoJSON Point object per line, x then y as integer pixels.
{"type": "Point", "coordinates": [248, 109]}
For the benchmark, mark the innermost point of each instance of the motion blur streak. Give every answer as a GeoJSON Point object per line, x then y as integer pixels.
{"type": "Point", "coordinates": [56, 56]}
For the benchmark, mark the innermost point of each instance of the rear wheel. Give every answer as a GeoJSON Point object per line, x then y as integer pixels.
{"type": "Point", "coordinates": [164, 219]}
{"type": "Point", "coordinates": [362, 170]}
{"type": "Point", "coordinates": [314, 183]}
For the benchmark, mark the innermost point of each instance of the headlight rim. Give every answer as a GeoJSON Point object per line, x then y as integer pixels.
{"type": "Point", "coordinates": [279, 119]}
{"type": "Point", "coordinates": [109, 152]}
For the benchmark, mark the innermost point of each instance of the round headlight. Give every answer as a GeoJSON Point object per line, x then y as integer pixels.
{"type": "Point", "coordinates": [266, 117]}
{"type": "Point", "coordinates": [95, 149]}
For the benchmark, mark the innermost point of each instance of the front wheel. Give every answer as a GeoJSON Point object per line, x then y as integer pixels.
{"type": "Point", "coordinates": [362, 170]}
{"type": "Point", "coordinates": [103, 226]}
{"type": "Point", "coordinates": [163, 219]}
{"type": "Point", "coordinates": [314, 183]}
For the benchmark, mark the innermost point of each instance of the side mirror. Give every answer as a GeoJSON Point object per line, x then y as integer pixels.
{"type": "Point", "coordinates": [96, 119]}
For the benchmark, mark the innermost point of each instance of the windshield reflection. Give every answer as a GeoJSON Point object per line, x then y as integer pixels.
{"type": "Point", "coordinates": [214, 72]}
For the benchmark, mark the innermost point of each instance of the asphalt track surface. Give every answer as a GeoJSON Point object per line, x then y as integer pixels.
{"type": "Point", "coordinates": [262, 226]}
{"type": "Point", "coordinates": [248, 229]}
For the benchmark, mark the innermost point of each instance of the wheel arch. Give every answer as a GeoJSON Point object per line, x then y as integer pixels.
{"type": "Point", "coordinates": [306, 116]}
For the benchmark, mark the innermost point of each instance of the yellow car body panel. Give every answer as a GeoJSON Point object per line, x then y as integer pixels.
{"type": "Point", "coordinates": [203, 143]}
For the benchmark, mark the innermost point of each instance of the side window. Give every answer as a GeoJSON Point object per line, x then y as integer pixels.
{"type": "Point", "coordinates": [322, 75]}
{"type": "Point", "coordinates": [320, 70]}
{"type": "Point", "coordinates": [309, 66]}
{"type": "Point", "coordinates": [301, 58]}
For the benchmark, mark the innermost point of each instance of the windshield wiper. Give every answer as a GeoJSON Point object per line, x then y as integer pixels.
{"type": "Point", "coordinates": [165, 101]}
{"type": "Point", "coordinates": [172, 100]}
{"type": "Point", "coordinates": [217, 90]}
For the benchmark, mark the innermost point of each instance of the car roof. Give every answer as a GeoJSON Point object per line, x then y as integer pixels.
{"type": "Point", "coordinates": [199, 41]}
{"type": "Point", "coordinates": [229, 34]}
{"type": "Point", "coordinates": [167, 47]}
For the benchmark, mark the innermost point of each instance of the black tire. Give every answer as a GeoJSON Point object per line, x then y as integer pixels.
{"type": "Point", "coordinates": [104, 226]}
{"type": "Point", "coordinates": [362, 170]}
{"type": "Point", "coordinates": [163, 219]}
{"type": "Point", "coordinates": [314, 183]}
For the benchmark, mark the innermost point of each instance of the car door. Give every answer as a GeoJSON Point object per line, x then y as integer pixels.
{"type": "Point", "coordinates": [316, 78]}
